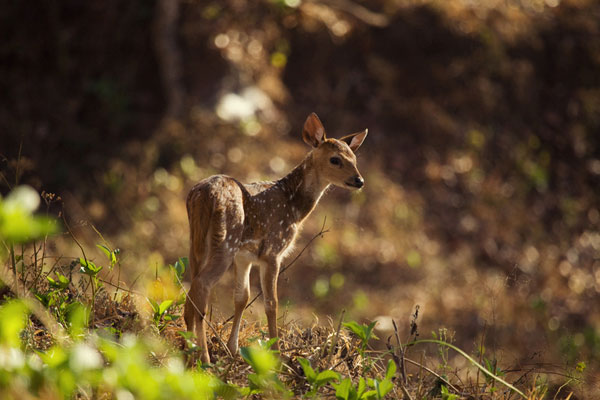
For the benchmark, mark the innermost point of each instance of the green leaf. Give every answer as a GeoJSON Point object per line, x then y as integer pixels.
{"type": "Point", "coordinates": [88, 267]}
{"type": "Point", "coordinates": [180, 266]}
{"type": "Point", "coordinates": [227, 391]}
{"type": "Point", "coordinates": [78, 316]}
{"type": "Point", "coordinates": [371, 394]}
{"type": "Point", "coordinates": [12, 321]}
{"type": "Point", "coordinates": [383, 388]}
{"type": "Point", "coordinates": [43, 298]}
{"type": "Point", "coordinates": [171, 317]}
{"type": "Point", "coordinates": [110, 254]}
{"type": "Point", "coordinates": [391, 370]}
{"type": "Point", "coordinates": [155, 306]}
{"type": "Point", "coordinates": [324, 377]}
{"type": "Point", "coordinates": [247, 391]}
{"type": "Point", "coordinates": [344, 390]}
{"type": "Point", "coordinates": [268, 344]}
{"type": "Point", "coordinates": [54, 357]}
{"type": "Point", "coordinates": [356, 329]}
{"type": "Point", "coordinates": [62, 279]}
{"type": "Point", "coordinates": [17, 222]}
{"type": "Point", "coordinates": [369, 331]}
{"type": "Point", "coordinates": [164, 306]}
{"type": "Point", "coordinates": [61, 283]}
{"type": "Point", "coordinates": [309, 372]}
{"type": "Point", "coordinates": [104, 249]}
{"type": "Point", "coordinates": [446, 395]}
{"type": "Point", "coordinates": [261, 360]}
{"type": "Point", "coordinates": [364, 332]}
{"type": "Point", "coordinates": [255, 383]}
{"type": "Point", "coordinates": [362, 386]}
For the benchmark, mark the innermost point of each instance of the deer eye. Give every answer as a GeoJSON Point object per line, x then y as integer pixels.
{"type": "Point", "coordinates": [335, 161]}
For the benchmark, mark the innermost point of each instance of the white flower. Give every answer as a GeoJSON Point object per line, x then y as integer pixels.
{"type": "Point", "coordinates": [84, 357]}
{"type": "Point", "coordinates": [175, 366]}
{"type": "Point", "coordinates": [11, 358]}
{"type": "Point", "coordinates": [23, 197]}
{"type": "Point", "coordinates": [123, 394]}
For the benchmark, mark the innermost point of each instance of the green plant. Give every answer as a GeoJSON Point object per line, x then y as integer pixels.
{"type": "Point", "coordinates": [384, 386]}
{"type": "Point", "coordinates": [446, 395]}
{"type": "Point", "coordinates": [95, 366]}
{"type": "Point", "coordinates": [265, 364]}
{"type": "Point", "coordinates": [445, 337]}
{"type": "Point", "coordinates": [472, 361]}
{"type": "Point", "coordinates": [492, 367]}
{"type": "Point", "coordinates": [345, 390]}
{"type": "Point", "coordinates": [316, 379]}
{"type": "Point", "coordinates": [161, 317]}
{"type": "Point", "coordinates": [179, 267]}
{"type": "Point", "coordinates": [18, 224]}
{"type": "Point", "coordinates": [56, 299]}
{"type": "Point", "coordinates": [190, 344]}
{"type": "Point", "coordinates": [364, 333]}
{"type": "Point", "coordinates": [90, 269]}
{"type": "Point", "coordinates": [110, 254]}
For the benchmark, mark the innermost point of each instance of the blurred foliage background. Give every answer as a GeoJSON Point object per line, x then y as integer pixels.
{"type": "Point", "coordinates": [482, 166]}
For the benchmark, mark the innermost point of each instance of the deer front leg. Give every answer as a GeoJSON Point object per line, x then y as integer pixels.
{"type": "Point", "coordinates": [268, 282]}
{"type": "Point", "coordinates": [240, 298]}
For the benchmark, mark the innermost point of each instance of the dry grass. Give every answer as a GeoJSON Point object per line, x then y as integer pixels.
{"type": "Point", "coordinates": [421, 373]}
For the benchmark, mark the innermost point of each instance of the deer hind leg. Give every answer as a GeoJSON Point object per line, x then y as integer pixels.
{"type": "Point", "coordinates": [241, 295]}
{"type": "Point", "coordinates": [188, 315]}
{"type": "Point", "coordinates": [269, 273]}
{"type": "Point", "coordinates": [200, 291]}
{"type": "Point", "coordinates": [195, 310]}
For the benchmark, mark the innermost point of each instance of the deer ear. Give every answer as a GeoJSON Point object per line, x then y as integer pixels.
{"type": "Point", "coordinates": [355, 140]}
{"type": "Point", "coordinates": [313, 132]}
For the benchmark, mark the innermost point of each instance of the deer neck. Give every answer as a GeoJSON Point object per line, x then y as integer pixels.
{"type": "Point", "coordinates": [303, 188]}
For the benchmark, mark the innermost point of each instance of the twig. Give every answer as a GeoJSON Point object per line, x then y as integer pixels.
{"type": "Point", "coordinates": [112, 269]}
{"type": "Point", "coordinates": [38, 276]}
{"type": "Point", "coordinates": [121, 287]}
{"type": "Point", "coordinates": [420, 379]}
{"type": "Point", "coordinates": [399, 361]}
{"type": "Point", "coordinates": [402, 366]}
{"type": "Point", "coordinates": [408, 396]}
{"type": "Point", "coordinates": [321, 233]}
{"type": "Point", "coordinates": [432, 372]}
{"type": "Point", "coordinates": [536, 367]}
{"type": "Point", "coordinates": [73, 235]}
{"type": "Point", "coordinates": [335, 338]}
{"type": "Point", "coordinates": [480, 353]}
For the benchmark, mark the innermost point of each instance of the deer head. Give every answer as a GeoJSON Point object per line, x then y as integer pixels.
{"type": "Point", "coordinates": [334, 159]}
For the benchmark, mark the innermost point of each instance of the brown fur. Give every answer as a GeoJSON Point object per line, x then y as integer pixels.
{"type": "Point", "coordinates": [235, 224]}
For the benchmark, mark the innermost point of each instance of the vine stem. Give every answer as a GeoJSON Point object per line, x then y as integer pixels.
{"type": "Point", "coordinates": [473, 361]}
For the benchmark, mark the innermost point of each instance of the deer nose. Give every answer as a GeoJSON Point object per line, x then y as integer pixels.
{"type": "Point", "coordinates": [359, 181]}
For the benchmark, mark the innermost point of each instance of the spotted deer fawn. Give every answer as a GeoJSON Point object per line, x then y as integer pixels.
{"type": "Point", "coordinates": [237, 225]}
